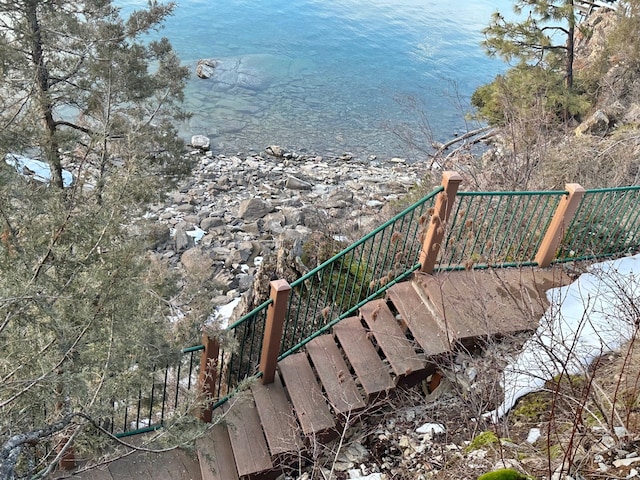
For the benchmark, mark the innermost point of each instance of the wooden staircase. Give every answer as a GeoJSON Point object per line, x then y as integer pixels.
{"type": "Point", "coordinates": [396, 341]}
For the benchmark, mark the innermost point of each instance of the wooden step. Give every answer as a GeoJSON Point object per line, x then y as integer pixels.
{"type": "Point", "coordinates": [278, 420]}
{"type": "Point", "coordinates": [402, 357]}
{"type": "Point", "coordinates": [134, 466]}
{"type": "Point", "coordinates": [174, 465]}
{"type": "Point", "coordinates": [416, 314]}
{"type": "Point", "coordinates": [481, 303]}
{"type": "Point", "coordinates": [372, 373]}
{"type": "Point", "coordinates": [336, 379]}
{"type": "Point", "coordinates": [216, 455]}
{"type": "Point", "coordinates": [247, 439]}
{"type": "Point", "coordinates": [306, 396]}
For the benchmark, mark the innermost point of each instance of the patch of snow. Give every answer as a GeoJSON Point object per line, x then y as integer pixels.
{"type": "Point", "coordinates": [431, 428]}
{"type": "Point", "coordinates": [197, 234]}
{"type": "Point", "coordinates": [258, 261]}
{"type": "Point", "coordinates": [592, 316]}
{"type": "Point", "coordinates": [534, 435]}
{"type": "Point", "coordinates": [222, 314]}
{"type": "Point", "coordinates": [35, 169]}
{"type": "Point", "coordinates": [371, 476]}
{"type": "Point", "coordinates": [625, 462]}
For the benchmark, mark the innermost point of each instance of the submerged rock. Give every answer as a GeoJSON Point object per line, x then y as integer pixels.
{"type": "Point", "coordinates": [206, 67]}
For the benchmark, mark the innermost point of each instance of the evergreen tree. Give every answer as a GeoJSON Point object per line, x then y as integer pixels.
{"type": "Point", "coordinates": [544, 38]}
{"type": "Point", "coordinates": [83, 315]}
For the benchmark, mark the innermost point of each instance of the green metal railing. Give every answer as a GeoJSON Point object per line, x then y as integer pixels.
{"type": "Point", "coordinates": [158, 397]}
{"type": "Point", "coordinates": [485, 229]}
{"type": "Point", "coordinates": [338, 287]}
{"type": "Point", "coordinates": [496, 229]}
{"type": "Point", "coordinates": [607, 223]}
{"type": "Point", "coordinates": [330, 292]}
{"type": "Point", "coordinates": [241, 358]}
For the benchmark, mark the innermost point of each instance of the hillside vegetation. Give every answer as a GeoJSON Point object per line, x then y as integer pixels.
{"type": "Point", "coordinates": [548, 133]}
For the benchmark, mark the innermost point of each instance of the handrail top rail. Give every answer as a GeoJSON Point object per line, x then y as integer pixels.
{"type": "Point", "coordinates": [371, 234]}
{"type": "Point", "coordinates": [249, 315]}
{"type": "Point", "coordinates": [613, 189]}
{"type": "Point", "coordinates": [513, 193]}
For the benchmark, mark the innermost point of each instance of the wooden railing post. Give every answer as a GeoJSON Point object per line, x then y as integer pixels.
{"type": "Point", "coordinates": [564, 214]}
{"type": "Point", "coordinates": [435, 230]}
{"type": "Point", "coordinates": [276, 313]}
{"type": "Point", "coordinates": [208, 375]}
{"type": "Point", "coordinates": [68, 458]}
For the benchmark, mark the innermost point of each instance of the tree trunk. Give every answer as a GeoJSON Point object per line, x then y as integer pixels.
{"type": "Point", "coordinates": [570, 47]}
{"type": "Point", "coordinates": [42, 85]}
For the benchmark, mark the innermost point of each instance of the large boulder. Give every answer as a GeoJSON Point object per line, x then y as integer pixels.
{"type": "Point", "coordinates": [195, 260]}
{"type": "Point", "coordinates": [596, 124]}
{"type": "Point", "coordinates": [254, 209]}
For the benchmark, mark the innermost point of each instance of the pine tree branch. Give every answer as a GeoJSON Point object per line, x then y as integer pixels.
{"type": "Point", "coordinates": [12, 448]}
{"type": "Point", "coordinates": [50, 371]}
{"type": "Point", "coordinates": [64, 123]}
{"type": "Point", "coordinates": [461, 138]}
{"type": "Point", "coordinates": [555, 28]}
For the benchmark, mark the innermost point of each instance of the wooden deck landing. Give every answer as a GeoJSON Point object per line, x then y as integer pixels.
{"type": "Point", "coordinates": [394, 341]}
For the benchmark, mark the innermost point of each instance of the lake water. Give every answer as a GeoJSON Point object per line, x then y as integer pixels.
{"type": "Point", "coordinates": [331, 76]}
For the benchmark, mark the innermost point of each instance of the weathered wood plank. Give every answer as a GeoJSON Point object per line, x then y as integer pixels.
{"type": "Point", "coordinates": [98, 473]}
{"type": "Point", "coordinates": [416, 314]}
{"type": "Point", "coordinates": [372, 373]}
{"type": "Point", "coordinates": [159, 467]}
{"type": "Point", "coordinates": [391, 339]}
{"type": "Point", "coordinates": [133, 466]}
{"type": "Point", "coordinates": [277, 417]}
{"type": "Point", "coordinates": [172, 465]}
{"type": "Point", "coordinates": [247, 439]}
{"type": "Point", "coordinates": [190, 466]}
{"type": "Point", "coordinates": [482, 303]}
{"type": "Point", "coordinates": [310, 405]}
{"type": "Point", "coordinates": [334, 375]}
{"type": "Point", "coordinates": [215, 455]}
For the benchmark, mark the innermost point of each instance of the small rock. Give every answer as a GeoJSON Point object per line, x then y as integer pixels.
{"type": "Point", "coordinates": [294, 183]}
{"type": "Point", "coordinates": [274, 151]}
{"type": "Point", "coordinates": [205, 68]}
{"type": "Point", "coordinates": [201, 142]}
{"type": "Point", "coordinates": [182, 240]}
{"type": "Point", "coordinates": [210, 222]}
{"type": "Point", "coordinates": [185, 208]}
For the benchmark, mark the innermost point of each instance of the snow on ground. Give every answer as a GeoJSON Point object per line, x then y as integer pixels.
{"type": "Point", "coordinates": [594, 315]}
{"type": "Point", "coordinates": [223, 313]}
{"type": "Point", "coordinates": [40, 171]}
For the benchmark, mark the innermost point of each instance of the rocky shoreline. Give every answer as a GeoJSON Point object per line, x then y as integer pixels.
{"type": "Point", "coordinates": [235, 210]}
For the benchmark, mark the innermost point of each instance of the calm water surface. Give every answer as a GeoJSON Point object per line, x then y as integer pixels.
{"type": "Point", "coordinates": [330, 76]}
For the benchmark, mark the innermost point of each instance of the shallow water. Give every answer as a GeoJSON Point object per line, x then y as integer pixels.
{"type": "Point", "coordinates": [329, 76]}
